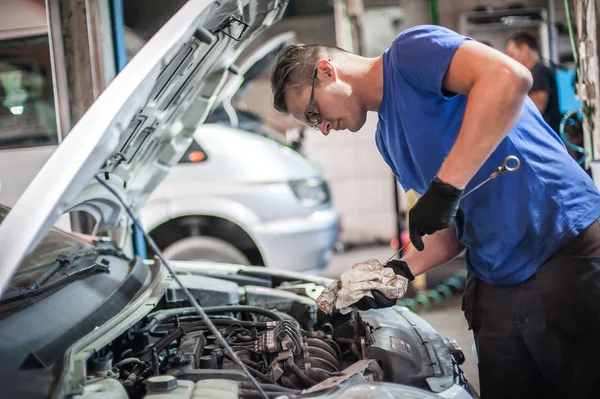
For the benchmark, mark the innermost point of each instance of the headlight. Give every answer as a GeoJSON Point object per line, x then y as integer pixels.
{"type": "Point", "coordinates": [311, 192]}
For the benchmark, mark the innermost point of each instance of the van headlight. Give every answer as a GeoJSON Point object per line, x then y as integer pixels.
{"type": "Point", "coordinates": [311, 192]}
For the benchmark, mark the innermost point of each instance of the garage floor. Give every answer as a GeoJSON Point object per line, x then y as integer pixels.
{"type": "Point", "coordinates": [446, 318]}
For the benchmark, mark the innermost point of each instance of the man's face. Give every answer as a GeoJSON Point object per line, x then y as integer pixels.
{"type": "Point", "coordinates": [518, 53]}
{"type": "Point", "coordinates": [333, 103]}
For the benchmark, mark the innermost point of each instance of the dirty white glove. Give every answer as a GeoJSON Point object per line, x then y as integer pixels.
{"type": "Point", "coordinates": [367, 285]}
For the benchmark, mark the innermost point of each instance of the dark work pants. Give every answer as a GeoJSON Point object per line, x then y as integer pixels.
{"type": "Point", "coordinates": [541, 338]}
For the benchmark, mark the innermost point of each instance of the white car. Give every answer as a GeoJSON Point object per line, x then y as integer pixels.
{"type": "Point", "coordinates": [82, 317]}
{"type": "Point", "coordinates": [238, 196]}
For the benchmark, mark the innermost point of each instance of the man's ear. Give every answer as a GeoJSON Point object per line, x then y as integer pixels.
{"type": "Point", "coordinates": [326, 70]}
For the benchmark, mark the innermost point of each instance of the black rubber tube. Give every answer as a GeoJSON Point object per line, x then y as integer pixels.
{"type": "Point", "coordinates": [303, 377]}
{"type": "Point", "coordinates": [285, 382]}
{"type": "Point", "coordinates": [336, 348]}
{"type": "Point", "coordinates": [244, 338]}
{"type": "Point", "coordinates": [317, 362]}
{"type": "Point", "coordinates": [242, 348]}
{"type": "Point", "coordinates": [243, 309]}
{"type": "Point", "coordinates": [130, 360]}
{"type": "Point", "coordinates": [318, 373]}
{"type": "Point", "coordinates": [161, 344]}
{"type": "Point", "coordinates": [227, 322]}
{"type": "Point", "coordinates": [199, 325]}
{"type": "Point", "coordinates": [151, 324]}
{"type": "Point", "coordinates": [162, 315]}
{"type": "Point", "coordinates": [315, 351]}
{"type": "Point", "coordinates": [324, 345]}
{"type": "Point", "coordinates": [237, 330]}
{"type": "Point", "coordinates": [260, 375]}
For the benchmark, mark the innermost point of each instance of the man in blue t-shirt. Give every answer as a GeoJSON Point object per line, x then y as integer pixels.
{"type": "Point", "coordinates": [450, 111]}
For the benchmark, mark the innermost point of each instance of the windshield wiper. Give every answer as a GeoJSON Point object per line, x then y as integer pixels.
{"type": "Point", "coordinates": [107, 247]}
{"type": "Point", "coordinates": [60, 263]}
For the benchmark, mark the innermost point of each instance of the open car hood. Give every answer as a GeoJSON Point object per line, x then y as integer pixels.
{"type": "Point", "coordinates": [253, 65]}
{"type": "Point", "coordinates": [140, 125]}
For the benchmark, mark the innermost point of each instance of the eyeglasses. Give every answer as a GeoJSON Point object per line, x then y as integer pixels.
{"type": "Point", "coordinates": [312, 115]}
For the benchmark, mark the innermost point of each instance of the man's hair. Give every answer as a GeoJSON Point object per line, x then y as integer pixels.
{"type": "Point", "coordinates": [521, 38]}
{"type": "Point", "coordinates": [295, 67]}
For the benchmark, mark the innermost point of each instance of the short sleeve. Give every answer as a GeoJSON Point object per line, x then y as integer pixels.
{"type": "Point", "coordinates": [542, 79]}
{"type": "Point", "coordinates": [386, 157]}
{"type": "Point", "coordinates": [423, 55]}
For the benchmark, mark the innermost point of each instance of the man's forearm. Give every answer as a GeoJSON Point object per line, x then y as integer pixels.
{"type": "Point", "coordinates": [440, 248]}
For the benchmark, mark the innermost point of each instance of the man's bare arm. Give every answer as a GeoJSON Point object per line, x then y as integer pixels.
{"type": "Point", "coordinates": [496, 86]}
{"type": "Point", "coordinates": [440, 248]}
{"type": "Point", "coordinates": [540, 99]}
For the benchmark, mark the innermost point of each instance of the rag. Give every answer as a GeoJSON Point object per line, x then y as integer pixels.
{"type": "Point", "coordinates": [357, 282]}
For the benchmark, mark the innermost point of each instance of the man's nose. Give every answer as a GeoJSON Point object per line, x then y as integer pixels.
{"type": "Point", "coordinates": [324, 127]}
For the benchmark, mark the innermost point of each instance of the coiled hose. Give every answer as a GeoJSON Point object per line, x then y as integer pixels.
{"type": "Point", "coordinates": [561, 132]}
{"type": "Point", "coordinates": [444, 290]}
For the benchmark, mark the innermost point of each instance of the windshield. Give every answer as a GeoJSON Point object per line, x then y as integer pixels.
{"type": "Point", "coordinates": [55, 243]}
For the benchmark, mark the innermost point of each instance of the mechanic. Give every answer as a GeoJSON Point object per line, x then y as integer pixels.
{"type": "Point", "coordinates": [450, 111]}
{"type": "Point", "coordinates": [523, 47]}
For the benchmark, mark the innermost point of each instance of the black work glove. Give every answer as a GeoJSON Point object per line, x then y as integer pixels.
{"type": "Point", "coordinates": [434, 211]}
{"type": "Point", "coordinates": [379, 300]}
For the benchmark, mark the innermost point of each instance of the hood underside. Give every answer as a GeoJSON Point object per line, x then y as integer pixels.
{"type": "Point", "coordinates": [140, 125]}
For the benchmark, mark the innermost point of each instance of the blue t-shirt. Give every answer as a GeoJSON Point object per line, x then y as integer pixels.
{"type": "Point", "coordinates": [515, 222]}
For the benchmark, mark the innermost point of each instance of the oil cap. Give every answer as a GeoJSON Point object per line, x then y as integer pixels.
{"type": "Point", "coordinates": [161, 383]}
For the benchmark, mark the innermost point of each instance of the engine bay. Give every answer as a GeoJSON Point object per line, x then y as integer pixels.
{"type": "Point", "coordinates": [288, 346]}
{"type": "Point", "coordinates": [281, 355]}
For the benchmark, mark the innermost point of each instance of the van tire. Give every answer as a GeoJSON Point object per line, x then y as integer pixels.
{"type": "Point", "coordinates": [206, 249]}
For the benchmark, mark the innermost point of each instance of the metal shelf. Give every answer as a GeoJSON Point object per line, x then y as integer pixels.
{"type": "Point", "coordinates": [478, 28]}
{"type": "Point", "coordinates": [473, 23]}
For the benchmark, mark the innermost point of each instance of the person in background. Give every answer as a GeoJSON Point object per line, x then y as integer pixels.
{"type": "Point", "coordinates": [523, 47]}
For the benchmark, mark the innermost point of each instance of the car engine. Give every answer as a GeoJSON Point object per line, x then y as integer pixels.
{"type": "Point", "coordinates": [172, 351]}
{"type": "Point", "coordinates": [281, 355]}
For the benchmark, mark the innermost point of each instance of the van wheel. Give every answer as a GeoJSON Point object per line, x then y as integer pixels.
{"type": "Point", "coordinates": [205, 248]}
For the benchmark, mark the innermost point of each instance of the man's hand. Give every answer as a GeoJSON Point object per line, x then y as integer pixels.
{"type": "Point", "coordinates": [377, 300]}
{"type": "Point", "coordinates": [367, 285]}
{"type": "Point", "coordinates": [434, 211]}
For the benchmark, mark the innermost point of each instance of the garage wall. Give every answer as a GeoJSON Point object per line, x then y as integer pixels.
{"type": "Point", "coordinates": [361, 183]}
